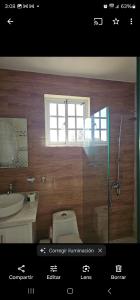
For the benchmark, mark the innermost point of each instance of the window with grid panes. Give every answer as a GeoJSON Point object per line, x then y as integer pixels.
{"type": "Point", "coordinates": [100, 126]}
{"type": "Point", "coordinates": [67, 120]}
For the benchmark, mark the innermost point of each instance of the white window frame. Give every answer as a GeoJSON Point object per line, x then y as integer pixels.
{"type": "Point", "coordinates": [100, 129]}
{"type": "Point", "coordinates": [49, 98]}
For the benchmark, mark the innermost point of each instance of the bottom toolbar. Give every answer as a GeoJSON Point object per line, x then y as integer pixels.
{"type": "Point", "coordinates": [24, 271]}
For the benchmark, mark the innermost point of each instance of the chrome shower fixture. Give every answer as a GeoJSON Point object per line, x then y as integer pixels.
{"type": "Point", "coordinates": [116, 186]}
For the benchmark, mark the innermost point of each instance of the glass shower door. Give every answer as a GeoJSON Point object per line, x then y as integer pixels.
{"type": "Point", "coordinates": [122, 211]}
{"type": "Point", "coordinates": [96, 174]}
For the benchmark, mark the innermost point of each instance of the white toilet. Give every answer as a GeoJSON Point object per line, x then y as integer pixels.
{"type": "Point", "coordinates": [65, 228]}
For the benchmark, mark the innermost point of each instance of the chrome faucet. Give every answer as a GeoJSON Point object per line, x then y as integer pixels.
{"type": "Point", "coordinates": [10, 191]}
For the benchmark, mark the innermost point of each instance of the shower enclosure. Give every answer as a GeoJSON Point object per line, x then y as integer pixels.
{"type": "Point", "coordinates": [109, 168]}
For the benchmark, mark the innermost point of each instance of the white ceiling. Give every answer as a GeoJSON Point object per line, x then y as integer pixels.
{"type": "Point", "coordinates": [109, 68]}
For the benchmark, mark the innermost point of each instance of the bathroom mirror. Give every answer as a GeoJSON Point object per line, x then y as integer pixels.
{"type": "Point", "coordinates": [13, 143]}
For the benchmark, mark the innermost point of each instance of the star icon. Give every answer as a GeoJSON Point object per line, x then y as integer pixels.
{"type": "Point", "coordinates": [116, 21]}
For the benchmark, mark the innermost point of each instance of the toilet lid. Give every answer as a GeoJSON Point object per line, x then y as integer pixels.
{"type": "Point", "coordinates": [69, 238]}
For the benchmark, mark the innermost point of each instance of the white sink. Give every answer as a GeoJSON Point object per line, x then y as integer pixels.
{"type": "Point", "coordinates": [10, 204]}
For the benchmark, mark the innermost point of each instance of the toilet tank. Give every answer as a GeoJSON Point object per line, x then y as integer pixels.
{"type": "Point", "coordinates": [64, 223]}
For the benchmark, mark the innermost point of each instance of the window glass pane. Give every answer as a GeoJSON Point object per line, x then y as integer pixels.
{"type": "Point", "coordinates": [80, 123]}
{"type": "Point", "coordinates": [61, 109]}
{"type": "Point", "coordinates": [96, 115]}
{"type": "Point", "coordinates": [71, 122]}
{"type": "Point", "coordinates": [61, 135]}
{"type": "Point", "coordinates": [61, 123]}
{"type": "Point", "coordinates": [53, 135]}
{"type": "Point", "coordinates": [96, 134]}
{"type": "Point", "coordinates": [53, 109]}
{"type": "Point", "coordinates": [104, 112]}
{"type": "Point", "coordinates": [88, 135]}
{"type": "Point", "coordinates": [71, 135]}
{"type": "Point", "coordinates": [53, 122]}
{"type": "Point", "coordinates": [87, 123]}
{"type": "Point", "coordinates": [104, 135]}
{"type": "Point", "coordinates": [96, 123]}
{"type": "Point", "coordinates": [79, 109]}
{"type": "Point", "coordinates": [80, 135]}
{"type": "Point", "coordinates": [71, 109]}
{"type": "Point", "coordinates": [103, 123]}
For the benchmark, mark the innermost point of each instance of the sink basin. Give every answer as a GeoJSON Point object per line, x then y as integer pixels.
{"type": "Point", "coordinates": [10, 204]}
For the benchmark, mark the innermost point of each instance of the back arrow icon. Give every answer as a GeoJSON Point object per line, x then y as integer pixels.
{"type": "Point", "coordinates": [10, 21]}
{"type": "Point", "coordinates": [109, 291]}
